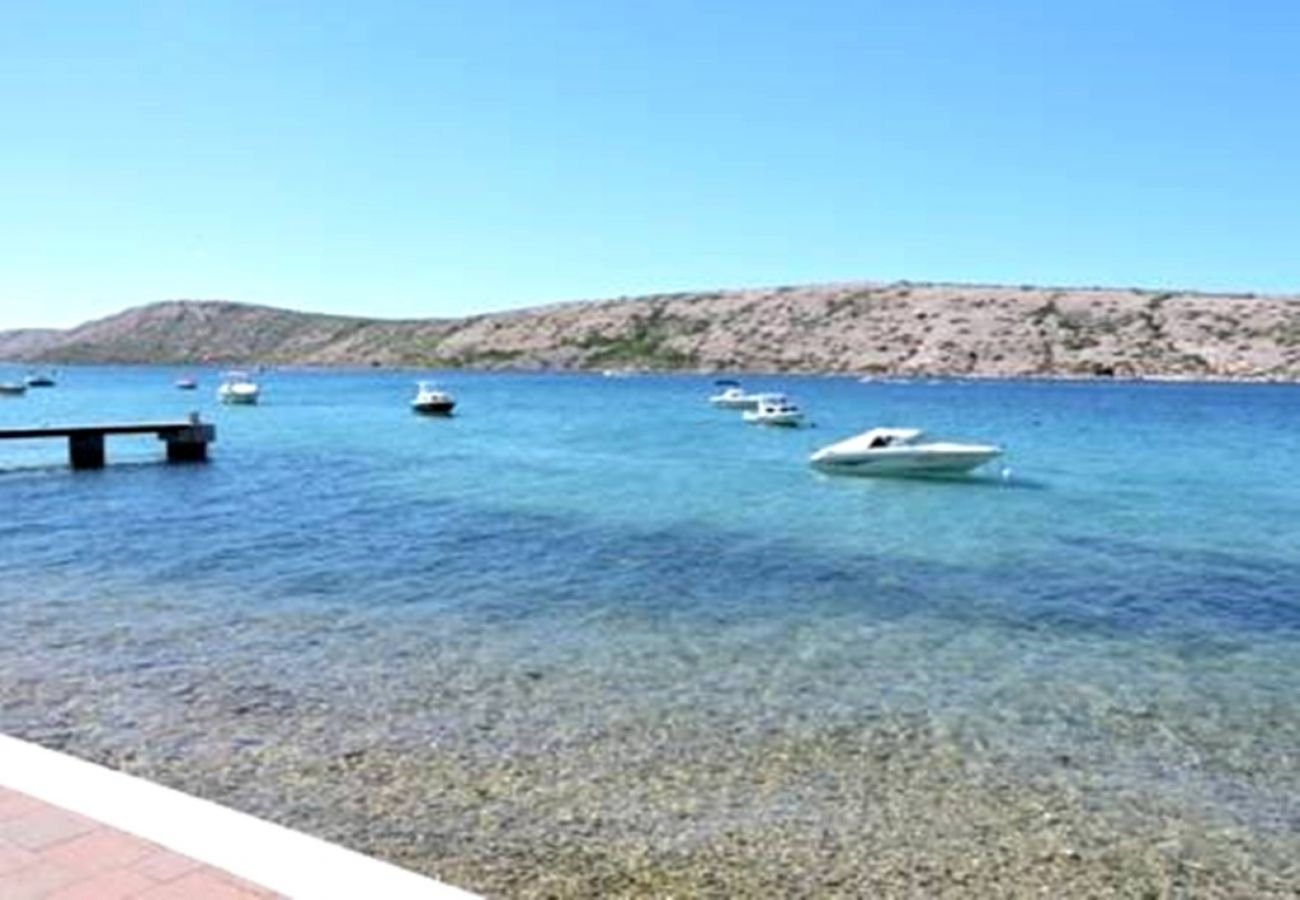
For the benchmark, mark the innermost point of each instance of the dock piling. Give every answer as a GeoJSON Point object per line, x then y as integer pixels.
{"type": "Point", "coordinates": [86, 449]}
{"type": "Point", "coordinates": [189, 444]}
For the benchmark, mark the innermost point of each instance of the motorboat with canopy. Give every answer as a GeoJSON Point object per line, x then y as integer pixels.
{"type": "Point", "coordinates": [901, 451]}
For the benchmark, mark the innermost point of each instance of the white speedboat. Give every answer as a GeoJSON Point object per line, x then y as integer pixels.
{"type": "Point", "coordinates": [432, 401]}
{"type": "Point", "coordinates": [238, 388]}
{"type": "Point", "coordinates": [901, 451]}
{"type": "Point", "coordinates": [40, 379]}
{"type": "Point", "coordinates": [774, 409]}
{"type": "Point", "coordinates": [733, 396]}
{"type": "Point", "coordinates": [12, 388]}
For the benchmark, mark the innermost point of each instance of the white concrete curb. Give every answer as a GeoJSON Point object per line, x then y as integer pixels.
{"type": "Point", "coordinates": [273, 856]}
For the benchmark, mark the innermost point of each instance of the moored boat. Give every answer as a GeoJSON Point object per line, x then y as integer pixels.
{"type": "Point", "coordinates": [901, 451]}
{"type": "Point", "coordinates": [238, 389]}
{"type": "Point", "coordinates": [432, 401]}
{"type": "Point", "coordinates": [40, 379]}
{"type": "Point", "coordinates": [733, 396]}
{"type": "Point", "coordinates": [12, 389]}
{"type": "Point", "coordinates": [774, 409]}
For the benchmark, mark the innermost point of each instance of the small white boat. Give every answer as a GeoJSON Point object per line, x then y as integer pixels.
{"type": "Point", "coordinates": [186, 383]}
{"type": "Point", "coordinates": [733, 396]}
{"type": "Point", "coordinates": [238, 388]}
{"type": "Point", "coordinates": [12, 388]}
{"type": "Point", "coordinates": [40, 379]}
{"type": "Point", "coordinates": [774, 409]}
{"type": "Point", "coordinates": [901, 451]}
{"type": "Point", "coordinates": [432, 401]}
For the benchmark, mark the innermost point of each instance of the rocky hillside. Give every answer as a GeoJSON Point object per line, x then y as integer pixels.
{"type": "Point", "coordinates": [901, 328]}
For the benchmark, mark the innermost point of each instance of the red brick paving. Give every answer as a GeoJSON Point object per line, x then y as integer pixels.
{"type": "Point", "coordinates": [48, 853]}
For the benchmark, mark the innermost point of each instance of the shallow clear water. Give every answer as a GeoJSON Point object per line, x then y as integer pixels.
{"type": "Point", "coordinates": [570, 553]}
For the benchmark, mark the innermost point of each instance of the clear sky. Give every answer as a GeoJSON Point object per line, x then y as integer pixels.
{"type": "Point", "coordinates": [439, 158]}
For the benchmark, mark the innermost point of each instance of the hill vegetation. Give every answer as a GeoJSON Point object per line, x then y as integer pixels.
{"type": "Point", "coordinates": [869, 328]}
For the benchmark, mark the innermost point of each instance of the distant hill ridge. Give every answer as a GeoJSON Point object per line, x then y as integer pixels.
{"type": "Point", "coordinates": [902, 328]}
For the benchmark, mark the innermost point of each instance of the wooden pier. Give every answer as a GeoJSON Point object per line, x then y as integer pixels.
{"type": "Point", "coordinates": [187, 440]}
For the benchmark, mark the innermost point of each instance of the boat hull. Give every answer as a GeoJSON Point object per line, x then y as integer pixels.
{"type": "Point", "coordinates": [907, 463]}
{"type": "Point", "coordinates": [434, 408]}
{"type": "Point", "coordinates": [734, 403]}
{"type": "Point", "coordinates": [239, 397]}
{"type": "Point", "coordinates": [785, 420]}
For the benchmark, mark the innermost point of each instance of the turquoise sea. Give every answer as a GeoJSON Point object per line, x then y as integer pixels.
{"type": "Point", "coordinates": [593, 625]}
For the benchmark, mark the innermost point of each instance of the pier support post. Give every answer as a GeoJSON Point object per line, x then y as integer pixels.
{"type": "Point", "coordinates": [189, 444]}
{"type": "Point", "coordinates": [86, 450]}
{"type": "Point", "coordinates": [185, 451]}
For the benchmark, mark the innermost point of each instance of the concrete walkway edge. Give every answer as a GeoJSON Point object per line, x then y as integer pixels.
{"type": "Point", "coordinates": [278, 858]}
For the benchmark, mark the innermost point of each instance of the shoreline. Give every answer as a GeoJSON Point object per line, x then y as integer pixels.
{"type": "Point", "coordinates": [889, 810]}
{"type": "Point", "coordinates": [265, 855]}
{"type": "Point", "coordinates": [861, 377]}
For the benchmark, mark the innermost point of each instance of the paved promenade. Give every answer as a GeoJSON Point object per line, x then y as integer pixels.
{"type": "Point", "coordinates": [49, 853]}
{"type": "Point", "coordinates": [73, 830]}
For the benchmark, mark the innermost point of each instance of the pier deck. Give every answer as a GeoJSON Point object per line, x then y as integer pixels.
{"type": "Point", "coordinates": [187, 439]}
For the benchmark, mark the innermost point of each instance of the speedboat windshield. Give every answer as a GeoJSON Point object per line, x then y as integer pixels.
{"type": "Point", "coordinates": [879, 438]}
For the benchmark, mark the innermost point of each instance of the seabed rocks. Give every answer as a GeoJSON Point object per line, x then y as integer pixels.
{"type": "Point", "coordinates": [890, 807]}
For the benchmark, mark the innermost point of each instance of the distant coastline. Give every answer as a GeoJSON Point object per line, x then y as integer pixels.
{"type": "Point", "coordinates": [902, 329]}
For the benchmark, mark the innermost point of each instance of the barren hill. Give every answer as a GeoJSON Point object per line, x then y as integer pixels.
{"type": "Point", "coordinates": [900, 328]}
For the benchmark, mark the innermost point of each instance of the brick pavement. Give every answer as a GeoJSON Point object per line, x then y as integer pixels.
{"type": "Point", "coordinates": [48, 853]}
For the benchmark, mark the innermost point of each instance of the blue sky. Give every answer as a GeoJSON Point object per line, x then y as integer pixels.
{"type": "Point", "coordinates": [427, 158]}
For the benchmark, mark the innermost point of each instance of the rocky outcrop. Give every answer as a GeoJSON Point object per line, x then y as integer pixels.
{"type": "Point", "coordinates": [900, 329]}
{"type": "Point", "coordinates": [25, 343]}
